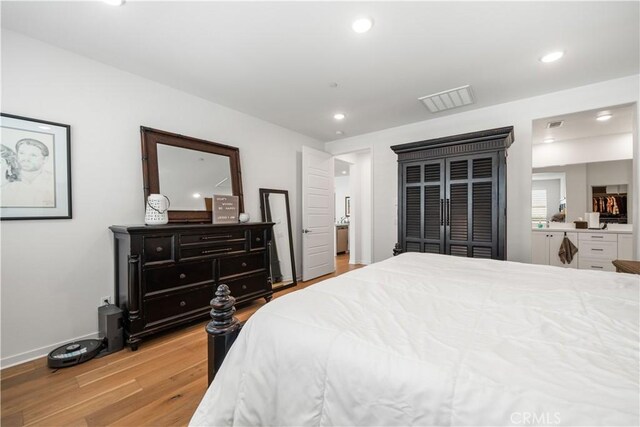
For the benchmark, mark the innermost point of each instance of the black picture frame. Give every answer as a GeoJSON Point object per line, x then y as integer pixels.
{"type": "Point", "coordinates": [47, 192]}
{"type": "Point", "coordinates": [347, 206]}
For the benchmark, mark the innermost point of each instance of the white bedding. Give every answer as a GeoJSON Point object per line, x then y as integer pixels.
{"type": "Point", "coordinates": [424, 339]}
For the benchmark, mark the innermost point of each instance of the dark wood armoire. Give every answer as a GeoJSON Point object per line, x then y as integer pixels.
{"type": "Point", "coordinates": [452, 194]}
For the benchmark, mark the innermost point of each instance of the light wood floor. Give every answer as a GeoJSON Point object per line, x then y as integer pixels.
{"type": "Point", "coordinates": [161, 384]}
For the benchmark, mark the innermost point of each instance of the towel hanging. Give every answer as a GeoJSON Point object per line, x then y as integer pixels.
{"type": "Point", "coordinates": [567, 250]}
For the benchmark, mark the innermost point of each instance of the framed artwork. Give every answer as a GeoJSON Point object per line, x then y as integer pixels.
{"type": "Point", "coordinates": [347, 206]}
{"type": "Point", "coordinates": [36, 169]}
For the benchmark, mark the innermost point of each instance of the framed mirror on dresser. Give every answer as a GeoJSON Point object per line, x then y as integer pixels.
{"type": "Point", "coordinates": [189, 171]}
{"type": "Point", "coordinates": [166, 275]}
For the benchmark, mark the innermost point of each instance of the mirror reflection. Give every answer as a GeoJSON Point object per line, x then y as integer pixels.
{"type": "Point", "coordinates": [188, 176]}
{"type": "Point", "coordinates": [583, 165]}
{"type": "Point", "coordinates": [274, 205]}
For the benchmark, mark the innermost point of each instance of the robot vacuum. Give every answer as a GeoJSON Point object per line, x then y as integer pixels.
{"type": "Point", "coordinates": [74, 353]}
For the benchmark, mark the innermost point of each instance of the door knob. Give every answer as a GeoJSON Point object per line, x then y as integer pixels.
{"type": "Point", "coordinates": [306, 230]}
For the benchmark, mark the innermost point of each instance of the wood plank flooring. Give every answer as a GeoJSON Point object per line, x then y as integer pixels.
{"type": "Point", "coordinates": [161, 384]}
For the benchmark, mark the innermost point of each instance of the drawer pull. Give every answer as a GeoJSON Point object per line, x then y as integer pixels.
{"type": "Point", "coordinates": [226, 236]}
{"type": "Point", "coordinates": [597, 266]}
{"type": "Point", "coordinates": [213, 251]}
{"type": "Point", "coordinates": [595, 249]}
{"type": "Point", "coordinates": [182, 303]}
{"type": "Point", "coordinates": [258, 239]}
{"type": "Point", "coordinates": [244, 287]}
{"type": "Point", "coordinates": [244, 264]}
{"type": "Point", "coordinates": [183, 276]}
{"type": "Point", "coordinates": [159, 249]}
{"type": "Point", "coordinates": [597, 237]}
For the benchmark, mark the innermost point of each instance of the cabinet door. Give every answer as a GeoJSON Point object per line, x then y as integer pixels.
{"type": "Point", "coordinates": [540, 248]}
{"type": "Point", "coordinates": [555, 241]}
{"type": "Point", "coordinates": [472, 206]}
{"type": "Point", "coordinates": [423, 207]}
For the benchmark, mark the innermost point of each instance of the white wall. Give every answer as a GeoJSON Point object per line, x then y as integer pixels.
{"type": "Point", "coordinates": [583, 150]}
{"type": "Point", "coordinates": [54, 272]}
{"type": "Point", "coordinates": [519, 114]}
{"type": "Point", "coordinates": [360, 229]}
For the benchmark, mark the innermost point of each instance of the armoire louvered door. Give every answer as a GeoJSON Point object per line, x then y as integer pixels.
{"type": "Point", "coordinates": [452, 194]}
{"type": "Point", "coordinates": [472, 206]}
{"type": "Point", "coordinates": [424, 207]}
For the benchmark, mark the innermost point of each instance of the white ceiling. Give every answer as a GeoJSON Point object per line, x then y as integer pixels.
{"type": "Point", "coordinates": [584, 125]}
{"type": "Point", "coordinates": [276, 60]}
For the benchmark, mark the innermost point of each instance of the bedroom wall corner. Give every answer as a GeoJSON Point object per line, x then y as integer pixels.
{"type": "Point", "coordinates": [55, 271]}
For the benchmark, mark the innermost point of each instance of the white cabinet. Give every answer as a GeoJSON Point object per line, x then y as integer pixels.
{"type": "Point", "coordinates": [546, 246]}
{"type": "Point", "coordinates": [596, 250]}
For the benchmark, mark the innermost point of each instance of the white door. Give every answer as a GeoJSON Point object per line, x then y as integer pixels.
{"type": "Point", "coordinates": [318, 252]}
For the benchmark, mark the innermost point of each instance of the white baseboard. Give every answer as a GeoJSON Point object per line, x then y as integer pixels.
{"type": "Point", "coordinates": [39, 352]}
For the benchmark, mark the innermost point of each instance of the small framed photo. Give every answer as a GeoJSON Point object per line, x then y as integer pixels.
{"type": "Point", "coordinates": [347, 206]}
{"type": "Point", "coordinates": [36, 169]}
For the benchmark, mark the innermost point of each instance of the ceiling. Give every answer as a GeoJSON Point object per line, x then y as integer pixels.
{"type": "Point", "coordinates": [584, 124]}
{"type": "Point", "coordinates": [277, 60]}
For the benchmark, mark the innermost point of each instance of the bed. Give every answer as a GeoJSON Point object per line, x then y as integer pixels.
{"type": "Point", "coordinates": [424, 339]}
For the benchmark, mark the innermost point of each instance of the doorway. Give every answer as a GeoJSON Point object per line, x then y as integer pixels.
{"type": "Point", "coordinates": [353, 207]}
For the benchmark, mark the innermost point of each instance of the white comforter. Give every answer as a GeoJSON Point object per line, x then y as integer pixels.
{"type": "Point", "coordinates": [426, 340]}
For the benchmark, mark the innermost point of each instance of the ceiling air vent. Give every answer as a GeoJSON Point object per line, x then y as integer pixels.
{"type": "Point", "coordinates": [556, 124]}
{"type": "Point", "coordinates": [448, 99]}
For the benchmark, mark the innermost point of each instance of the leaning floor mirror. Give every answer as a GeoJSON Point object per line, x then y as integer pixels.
{"type": "Point", "coordinates": [274, 205]}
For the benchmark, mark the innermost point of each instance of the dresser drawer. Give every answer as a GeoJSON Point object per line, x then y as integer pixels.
{"type": "Point", "coordinates": [176, 305]}
{"type": "Point", "coordinates": [598, 237]}
{"type": "Point", "coordinates": [247, 285]}
{"type": "Point", "coordinates": [601, 250]}
{"type": "Point", "coordinates": [241, 264]}
{"type": "Point", "coordinates": [595, 264]}
{"type": "Point", "coordinates": [179, 275]}
{"type": "Point", "coordinates": [222, 248]}
{"type": "Point", "coordinates": [158, 249]}
{"type": "Point", "coordinates": [211, 237]}
{"type": "Point", "coordinates": [258, 239]}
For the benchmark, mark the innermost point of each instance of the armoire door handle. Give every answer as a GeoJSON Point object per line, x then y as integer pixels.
{"type": "Point", "coordinates": [448, 210]}
{"type": "Point", "coordinates": [441, 211]}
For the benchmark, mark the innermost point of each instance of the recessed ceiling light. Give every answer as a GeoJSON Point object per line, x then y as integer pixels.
{"type": "Point", "coordinates": [196, 195]}
{"type": "Point", "coordinates": [548, 140]}
{"type": "Point", "coordinates": [362, 25]}
{"type": "Point", "coordinates": [604, 116]}
{"type": "Point", "coordinates": [339, 132]}
{"type": "Point", "coordinates": [114, 2]}
{"type": "Point", "coordinates": [553, 56]}
{"type": "Point", "coordinates": [339, 116]}
{"type": "Point", "coordinates": [344, 172]}
{"type": "Point", "coordinates": [44, 127]}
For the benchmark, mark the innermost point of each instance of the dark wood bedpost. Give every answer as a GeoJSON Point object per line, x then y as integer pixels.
{"type": "Point", "coordinates": [222, 330]}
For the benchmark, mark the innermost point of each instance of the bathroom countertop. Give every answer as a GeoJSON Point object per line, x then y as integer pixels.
{"type": "Point", "coordinates": [623, 230]}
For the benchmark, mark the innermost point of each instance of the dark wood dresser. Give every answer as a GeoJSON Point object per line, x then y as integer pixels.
{"type": "Point", "coordinates": [166, 275]}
